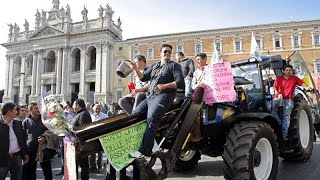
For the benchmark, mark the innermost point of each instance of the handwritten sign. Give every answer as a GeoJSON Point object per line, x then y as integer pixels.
{"type": "Point", "coordinates": [118, 144]}
{"type": "Point", "coordinates": [218, 79]}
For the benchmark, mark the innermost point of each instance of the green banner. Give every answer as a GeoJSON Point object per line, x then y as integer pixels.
{"type": "Point", "coordinates": [118, 144]}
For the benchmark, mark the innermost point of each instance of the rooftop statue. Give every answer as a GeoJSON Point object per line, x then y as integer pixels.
{"type": "Point", "coordinates": [68, 12]}
{"type": "Point", "coordinates": [55, 4]}
{"type": "Point", "coordinates": [16, 28]}
{"type": "Point", "coordinates": [26, 25]}
{"type": "Point", "coordinates": [119, 22]}
{"type": "Point", "coordinates": [84, 13]}
{"type": "Point", "coordinates": [109, 11]}
{"type": "Point", "coordinates": [100, 11]}
{"type": "Point", "coordinates": [10, 28]}
{"type": "Point", "coordinates": [62, 12]}
{"type": "Point", "coordinates": [37, 16]}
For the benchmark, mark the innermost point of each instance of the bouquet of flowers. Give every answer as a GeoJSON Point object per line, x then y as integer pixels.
{"type": "Point", "coordinates": [53, 117]}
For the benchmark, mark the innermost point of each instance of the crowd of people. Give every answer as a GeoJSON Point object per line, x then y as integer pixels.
{"type": "Point", "coordinates": [29, 141]}
{"type": "Point", "coordinates": [154, 91]}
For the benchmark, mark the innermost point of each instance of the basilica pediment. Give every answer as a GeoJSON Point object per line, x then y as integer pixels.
{"type": "Point", "coordinates": [47, 31]}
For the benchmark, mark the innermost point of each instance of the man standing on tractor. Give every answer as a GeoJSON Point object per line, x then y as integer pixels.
{"type": "Point", "coordinates": [283, 95]}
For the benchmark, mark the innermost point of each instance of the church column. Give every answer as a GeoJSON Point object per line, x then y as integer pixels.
{"type": "Point", "coordinates": [104, 55]}
{"type": "Point", "coordinates": [39, 72]}
{"type": "Point", "coordinates": [34, 73]}
{"type": "Point", "coordinates": [66, 58]}
{"type": "Point", "coordinates": [59, 69]}
{"type": "Point", "coordinates": [10, 86]}
{"type": "Point", "coordinates": [22, 99]}
{"type": "Point", "coordinates": [82, 71]}
{"type": "Point", "coordinates": [98, 68]}
{"type": "Point", "coordinates": [110, 72]}
{"type": "Point", "coordinates": [7, 75]}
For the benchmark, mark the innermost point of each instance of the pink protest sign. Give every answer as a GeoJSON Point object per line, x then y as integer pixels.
{"type": "Point", "coordinates": [218, 79]}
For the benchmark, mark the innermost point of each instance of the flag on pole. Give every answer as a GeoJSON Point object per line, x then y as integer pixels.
{"type": "Point", "coordinates": [215, 57]}
{"type": "Point", "coordinates": [255, 49]}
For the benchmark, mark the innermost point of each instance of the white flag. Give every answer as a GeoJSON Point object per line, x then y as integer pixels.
{"type": "Point", "coordinates": [255, 49]}
{"type": "Point", "coordinates": [215, 57]}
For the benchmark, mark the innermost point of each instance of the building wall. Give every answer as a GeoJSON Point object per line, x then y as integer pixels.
{"type": "Point", "coordinates": [304, 30]}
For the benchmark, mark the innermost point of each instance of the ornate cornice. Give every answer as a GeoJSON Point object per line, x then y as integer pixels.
{"type": "Point", "coordinates": [226, 32]}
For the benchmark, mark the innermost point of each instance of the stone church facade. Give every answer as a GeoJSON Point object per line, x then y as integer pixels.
{"type": "Point", "coordinates": [61, 57]}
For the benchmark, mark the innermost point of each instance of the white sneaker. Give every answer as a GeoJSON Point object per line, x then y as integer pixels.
{"type": "Point", "coordinates": [136, 154]}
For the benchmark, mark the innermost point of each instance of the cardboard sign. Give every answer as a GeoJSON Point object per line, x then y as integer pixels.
{"type": "Point", "coordinates": [218, 79]}
{"type": "Point", "coordinates": [118, 144]}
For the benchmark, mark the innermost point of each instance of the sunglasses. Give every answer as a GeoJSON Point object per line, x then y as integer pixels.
{"type": "Point", "coordinates": [167, 51]}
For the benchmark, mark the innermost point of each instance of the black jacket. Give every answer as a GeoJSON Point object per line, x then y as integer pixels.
{"type": "Point", "coordinates": [81, 118]}
{"type": "Point", "coordinates": [33, 129]}
{"type": "Point", "coordinates": [187, 65]}
{"type": "Point", "coordinates": [4, 145]}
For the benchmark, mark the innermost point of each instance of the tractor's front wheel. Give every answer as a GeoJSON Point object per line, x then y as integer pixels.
{"type": "Point", "coordinates": [251, 152]}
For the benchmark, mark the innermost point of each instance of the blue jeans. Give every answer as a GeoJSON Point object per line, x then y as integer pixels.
{"type": "Point", "coordinates": [287, 108]}
{"type": "Point", "coordinates": [14, 166]}
{"type": "Point", "coordinates": [188, 88]}
{"type": "Point", "coordinates": [129, 103]}
{"type": "Point", "coordinates": [155, 106]}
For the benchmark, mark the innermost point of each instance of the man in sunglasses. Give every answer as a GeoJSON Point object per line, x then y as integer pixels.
{"type": "Point", "coordinates": [165, 77]}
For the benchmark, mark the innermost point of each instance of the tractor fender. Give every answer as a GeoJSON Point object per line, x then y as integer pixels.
{"type": "Point", "coordinates": [315, 110]}
{"type": "Point", "coordinates": [300, 92]}
{"type": "Point", "coordinates": [254, 116]}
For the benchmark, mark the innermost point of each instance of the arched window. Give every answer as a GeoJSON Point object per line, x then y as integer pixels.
{"type": "Point", "coordinates": [50, 62]}
{"type": "Point", "coordinates": [277, 41]}
{"type": "Point", "coordinates": [17, 66]}
{"type": "Point", "coordinates": [180, 47]}
{"type": "Point", "coordinates": [259, 39]}
{"type": "Point", "coordinates": [135, 52]}
{"type": "Point", "coordinates": [198, 47]}
{"type": "Point", "coordinates": [315, 38]}
{"type": "Point", "coordinates": [76, 59]}
{"type": "Point", "coordinates": [29, 65]}
{"type": "Point", "coordinates": [150, 52]}
{"type": "Point", "coordinates": [218, 44]}
{"type": "Point", "coordinates": [92, 56]}
{"type": "Point", "coordinates": [237, 44]}
{"type": "Point", "coordinates": [296, 40]}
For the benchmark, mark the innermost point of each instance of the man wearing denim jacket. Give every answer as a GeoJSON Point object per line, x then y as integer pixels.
{"type": "Point", "coordinates": [165, 77]}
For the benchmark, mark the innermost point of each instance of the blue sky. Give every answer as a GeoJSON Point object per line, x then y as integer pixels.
{"type": "Point", "coordinates": [142, 18]}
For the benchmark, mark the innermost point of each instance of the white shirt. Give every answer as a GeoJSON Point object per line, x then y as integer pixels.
{"type": "Point", "coordinates": [98, 117]}
{"type": "Point", "coordinates": [13, 141]}
{"type": "Point", "coordinates": [137, 82]}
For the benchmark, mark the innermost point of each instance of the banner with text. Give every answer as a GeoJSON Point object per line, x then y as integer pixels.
{"type": "Point", "coordinates": [218, 79]}
{"type": "Point", "coordinates": [118, 144]}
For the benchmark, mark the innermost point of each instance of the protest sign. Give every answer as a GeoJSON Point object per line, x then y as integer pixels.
{"type": "Point", "coordinates": [118, 144]}
{"type": "Point", "coordinates": [218, 79]}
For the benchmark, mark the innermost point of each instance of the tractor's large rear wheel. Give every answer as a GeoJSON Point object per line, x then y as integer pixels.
{"type": "Point", "coordinates": [251, 152]}
{"type": "Point", "coordinates": [301, 132]}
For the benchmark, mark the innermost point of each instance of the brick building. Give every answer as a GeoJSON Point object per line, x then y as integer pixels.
{"type": "Point", "coordinates": [232, 43]}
